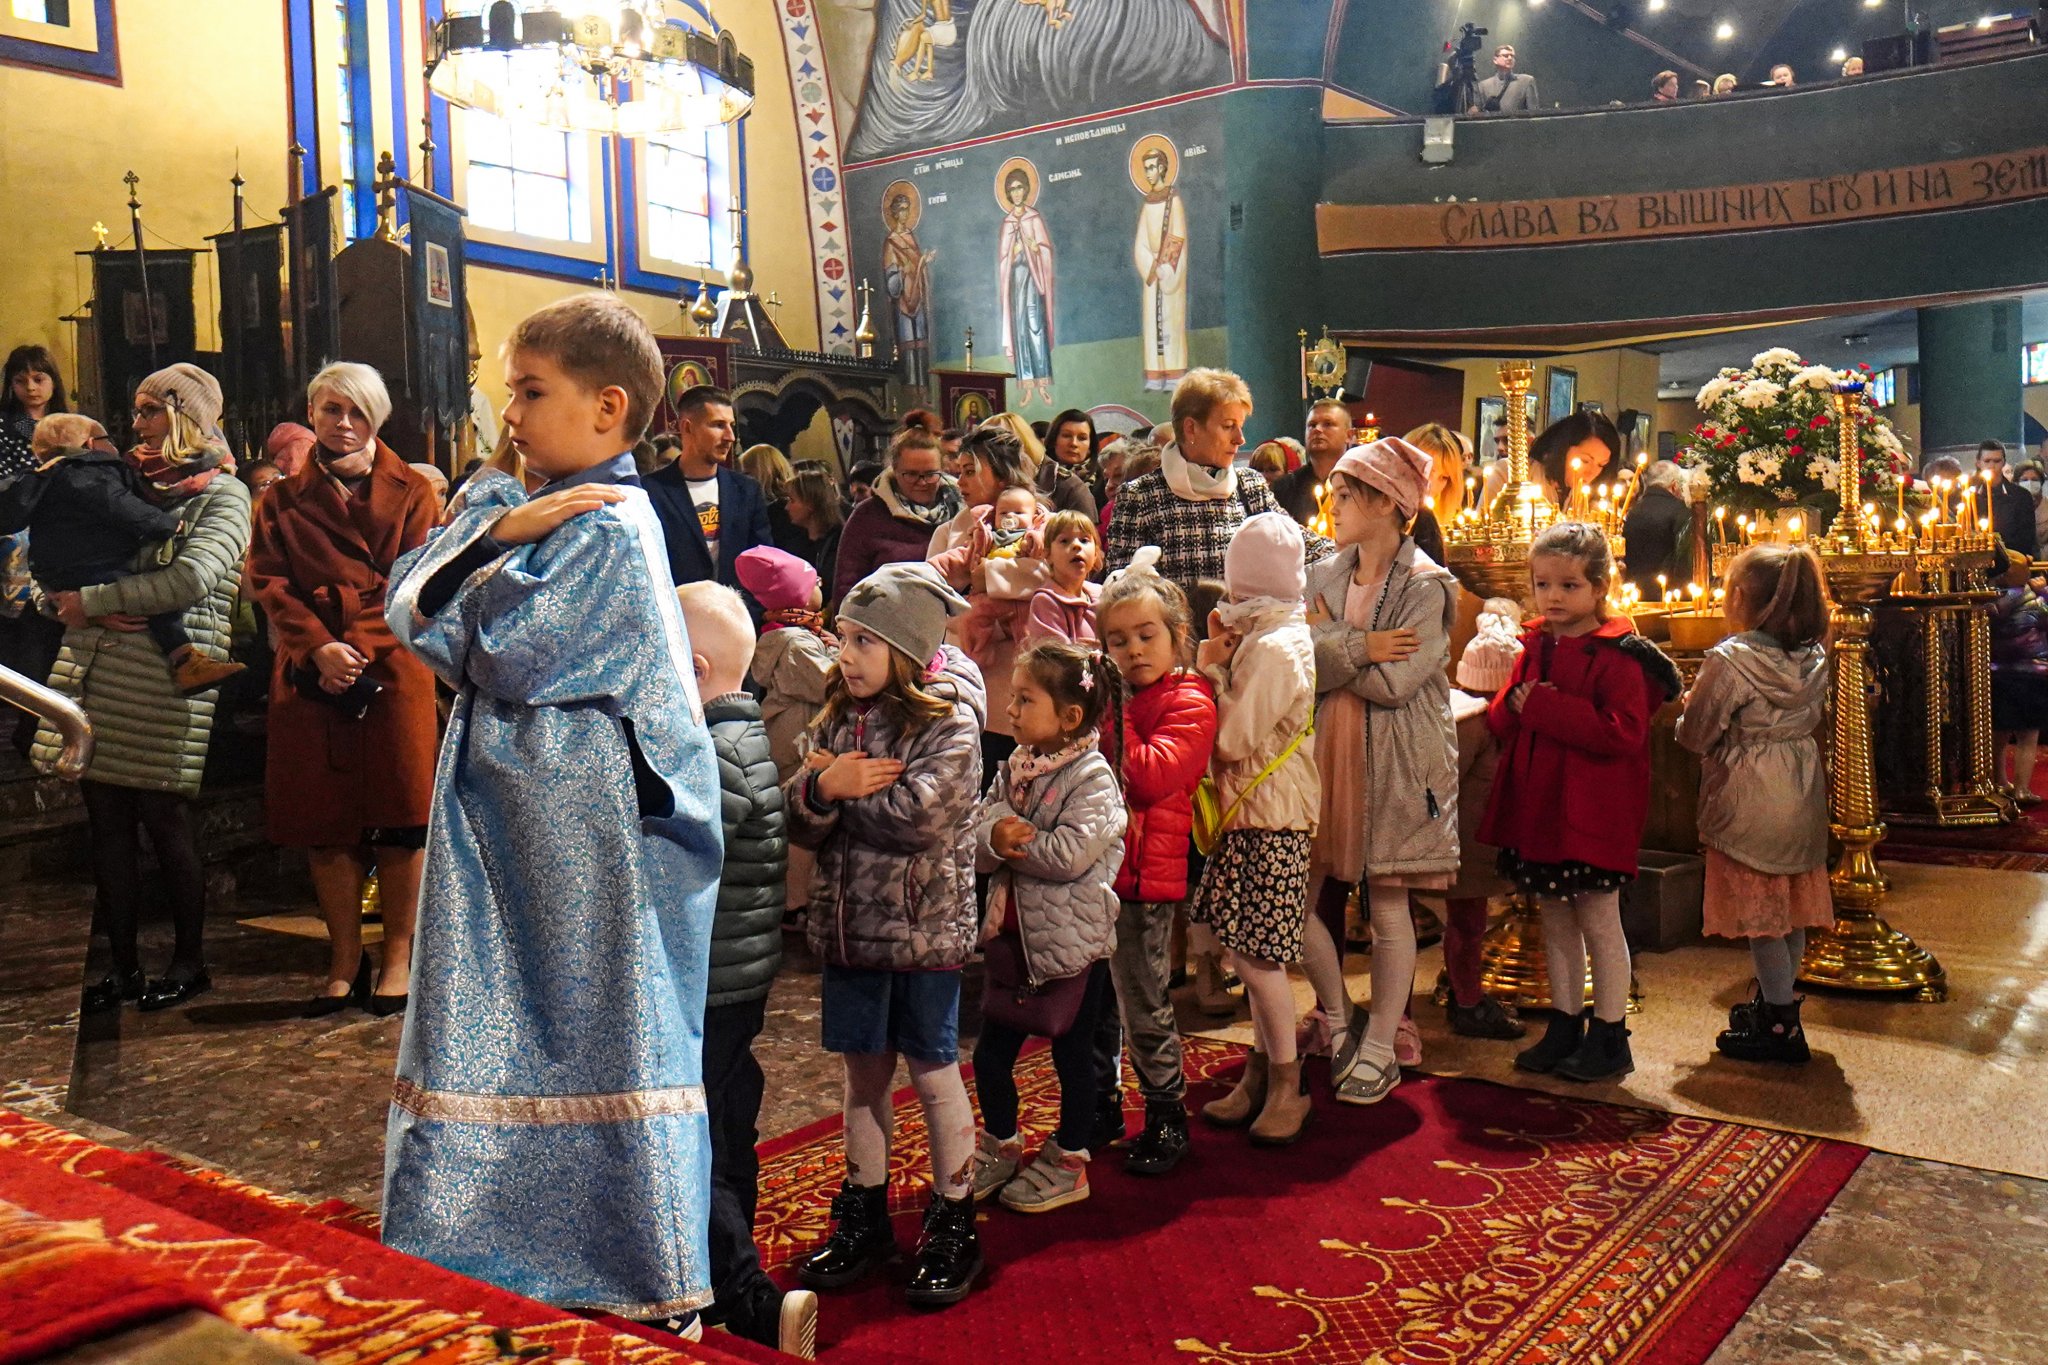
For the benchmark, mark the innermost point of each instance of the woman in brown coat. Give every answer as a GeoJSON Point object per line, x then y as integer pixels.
{"type": "Point", "coordinates": [353, 731]}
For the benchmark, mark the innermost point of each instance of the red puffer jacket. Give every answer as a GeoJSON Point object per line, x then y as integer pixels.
{"type": "Point", "coordinates": [1169, 729]}
{"type": "Point", "coordinates": [1574, 778]}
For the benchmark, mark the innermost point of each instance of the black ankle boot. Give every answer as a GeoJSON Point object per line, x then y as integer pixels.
{"type": "Point", "coordinates": [948, 1254]}
{"type": "Point", "coordinates": [174, 988]}
{"type": "Point", "coordinates": [1603, 1056]}
{"type": "Point", "coordinates": [1561, 1038]}
{"type": "Point", "coordinates": [1742, 1015]}
{"type": "Point", "coordinates": [105, 996]}
{"type": "Point", "coordinates": [1772, 1033]}
{"type": "Point", "coordinates": [860, 1240]}
{"type": "Point", "coordinates": [1164, 1142]}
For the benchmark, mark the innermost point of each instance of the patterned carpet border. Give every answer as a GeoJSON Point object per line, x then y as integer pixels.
{"type": "Point", "coordinates": [311, 1277]}
{"type": "Point", "coordinates": [1459, 1223]}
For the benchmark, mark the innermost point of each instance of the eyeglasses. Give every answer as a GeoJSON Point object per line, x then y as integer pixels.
{"type": "Point", "coordinates": [918, 475]}
{"type": "Point", "coordinates": [152, 410]}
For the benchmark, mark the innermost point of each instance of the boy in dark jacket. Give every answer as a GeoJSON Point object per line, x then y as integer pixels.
{"type": "Point", "coordinates": [88, 515]}
{"type": "Point", "coordinates": [746, 949]}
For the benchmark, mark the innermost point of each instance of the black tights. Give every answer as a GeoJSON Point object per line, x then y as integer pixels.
{"type": "Point", "coordinates": [1073, 1061]}
{"type": "Point", "coordinates": [117, 816]}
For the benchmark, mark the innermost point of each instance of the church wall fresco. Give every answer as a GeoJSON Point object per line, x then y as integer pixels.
{"type": "Point", "coordinates": [983, 190]}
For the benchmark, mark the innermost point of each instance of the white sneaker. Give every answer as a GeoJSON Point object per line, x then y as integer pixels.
{"type": "Point", "coordinates": [796, 1326]}
{"type": "Point", "coordinates": [995, 1163]}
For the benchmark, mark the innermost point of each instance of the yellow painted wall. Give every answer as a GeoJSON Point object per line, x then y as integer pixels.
{"type": "Point", "coordinates": [65, 144]}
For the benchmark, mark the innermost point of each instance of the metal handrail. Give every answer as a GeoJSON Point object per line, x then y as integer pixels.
{"type": "Point", "coordinates": [61, 712]}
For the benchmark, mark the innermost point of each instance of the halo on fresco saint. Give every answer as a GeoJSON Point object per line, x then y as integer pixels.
{"type": "Point", "coordinates": [908, 191]}
{"type": "Point", "coordinates": [1017, 163]}
{"type": "Point", "coordinates": [1153, 142]}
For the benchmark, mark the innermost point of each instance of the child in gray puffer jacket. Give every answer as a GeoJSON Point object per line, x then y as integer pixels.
{"type": "Point", "coordinates": [1052, 830]}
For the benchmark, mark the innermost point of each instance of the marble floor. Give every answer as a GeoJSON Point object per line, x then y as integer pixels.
{"type": "Point", "coordinates": [1925, 1260]}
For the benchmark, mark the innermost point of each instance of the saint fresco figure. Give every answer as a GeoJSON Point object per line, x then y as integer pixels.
{"type": "Point", "coordinates": [906, 276]}
{"type": "Point", "coordinates": [1160, 253]}
{"type": "Point", "coordinates": [1024, 280]}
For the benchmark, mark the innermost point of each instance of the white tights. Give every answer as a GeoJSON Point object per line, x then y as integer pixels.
{"type": "Point", "coordinates": [948, 1117]}
{"type": "Point", "coordinates": [1393, 966]}
{"type": "Point", "coordinates": [1587, 923]}
{"type": "Point", "coordinates": [1272, 1003]}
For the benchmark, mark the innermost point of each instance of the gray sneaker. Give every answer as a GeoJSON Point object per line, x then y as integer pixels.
{"type": "Point", "coordinates": [995, 1163]}
{"type": "Point", "coordinates": [1053, 1180]}
{"type": "Point", "coordinates": [1371, 1077]}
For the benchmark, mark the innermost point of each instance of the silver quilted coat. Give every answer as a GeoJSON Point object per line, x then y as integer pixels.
{"type": "Point", "coordinates": [1063, 889]}
{"type": "Point", "coordinates": [1751, 717]}
{"type": "Point", "coordinates": [894, 884]}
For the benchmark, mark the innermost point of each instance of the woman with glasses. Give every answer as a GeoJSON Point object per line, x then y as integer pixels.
{"type": "Point", "coordinates": [149, 741]}
{"type": "Point", "coordinates": [910, 501]}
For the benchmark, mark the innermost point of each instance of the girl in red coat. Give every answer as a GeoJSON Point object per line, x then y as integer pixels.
{"type": "Point", "coordinates": [1169, 727]}
{"type": "Point", "coordinates": [1573, 790]}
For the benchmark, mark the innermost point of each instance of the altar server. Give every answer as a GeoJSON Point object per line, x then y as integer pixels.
{"type": "Point", "coordinates": [547, 1132]}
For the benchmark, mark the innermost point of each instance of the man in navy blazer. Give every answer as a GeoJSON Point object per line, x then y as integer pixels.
{"type": "Point", "coordinates": [710, 512]}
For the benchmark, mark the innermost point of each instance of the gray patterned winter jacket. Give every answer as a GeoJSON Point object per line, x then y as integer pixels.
{"type": "Point", "coordinates": [1063, 890]}
{"type": "Point", "coordinates": [746, 933]}
{"type": "Point", "coordinates": [894, 884]}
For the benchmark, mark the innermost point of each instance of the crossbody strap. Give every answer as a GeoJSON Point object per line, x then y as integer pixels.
{"type": "Point", "coordinates": [1303, 733]}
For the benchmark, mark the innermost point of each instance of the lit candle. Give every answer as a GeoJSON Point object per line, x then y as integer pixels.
{"type": "Point", "coordinates": [1663, 587]}
{"type": "Point", "coordinates": [1721, 525]}
{"type": "Point", "coordinates": [1792, 525]}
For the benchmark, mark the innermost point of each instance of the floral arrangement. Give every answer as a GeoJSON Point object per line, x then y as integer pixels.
{"type": "Point", "coordinates": [1769, 441]}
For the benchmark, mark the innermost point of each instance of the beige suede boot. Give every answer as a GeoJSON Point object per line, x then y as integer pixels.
{"type": "Point", "coordinates": [1242, 1104]}
{"type": "Point", "coordinates": [1286, 1110]}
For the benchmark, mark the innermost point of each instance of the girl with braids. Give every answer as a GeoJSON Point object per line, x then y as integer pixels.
{"type": "Point", "coordinates": [1052, 830]}
{"type": "Point", "coordinates": [1751, 716]}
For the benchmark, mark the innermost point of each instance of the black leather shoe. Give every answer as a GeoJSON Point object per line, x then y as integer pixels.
{"type": "Point", "coordinates": [167, 991]}
{"type": "Point", "coordinates": [320, 1006]}
{"type": "Point", "coordinates": [105, 996]}
{"type": "Point", "coordinates": [861, 1239]}
{"type": "Point", "coordinates": [1561, 1038]}
{"type": "Point", "coordinates": [948, 1255]}
{"type": "Point", "coordinates": [1108, 1128]}
{"type": "Point", "coordinates": [1164, 1143]}
{"type": "Point", "coordinates": [384, 1006]}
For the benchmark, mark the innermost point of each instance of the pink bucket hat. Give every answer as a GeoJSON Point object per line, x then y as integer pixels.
{"type": "Point", "coordinates": [778, 579]}
{"type": "Point", "coordinates": [1398, 469]}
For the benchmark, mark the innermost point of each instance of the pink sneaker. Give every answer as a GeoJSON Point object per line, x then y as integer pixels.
{"type": "Point", "coordinates": [1407, 1043]}
{"type": "Point", "coordinates": [1312, 1038]}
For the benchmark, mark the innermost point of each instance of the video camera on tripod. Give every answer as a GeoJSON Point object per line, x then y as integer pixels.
{"type": "Point", "coordinates": [1456, 75]}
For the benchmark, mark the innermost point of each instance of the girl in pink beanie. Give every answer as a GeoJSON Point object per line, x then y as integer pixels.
{"type": "Point", "coordinates": [1254, 892]}
{"type": "Point", "coordinates": [792, 657]}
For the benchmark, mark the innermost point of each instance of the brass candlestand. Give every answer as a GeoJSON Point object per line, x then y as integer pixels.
{"type": "Point", "coordinates": [1861, 952]}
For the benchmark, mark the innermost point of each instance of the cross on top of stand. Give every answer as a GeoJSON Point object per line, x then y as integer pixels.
{"type": "Point", "coordinates": [132, 180]}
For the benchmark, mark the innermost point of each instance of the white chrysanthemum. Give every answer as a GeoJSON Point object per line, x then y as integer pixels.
{"type": "Point", "coordinates": [1714, 390]}
{"type": "Point", "coordinates": [1887, 440]}
{"type": "Point", "coordinates": [1759, 393]}
{"type": "Point", "coordinates": [1758, 466]}
{"type": "Point", "coordinates": [1828, 471]}
{"type": "Point", "coordinates": [1817, 377]}
{"type": "Point", "coordinates": [1777, 358]}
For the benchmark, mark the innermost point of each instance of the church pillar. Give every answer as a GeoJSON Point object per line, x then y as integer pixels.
{"type": "Point", "coordinates": [1970, 376]}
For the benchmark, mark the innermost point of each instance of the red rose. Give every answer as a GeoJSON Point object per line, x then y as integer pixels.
{"type": "Point", "coordinates": [1795, 450]}
{"type": "Point", "coordinates": [1819, 421]}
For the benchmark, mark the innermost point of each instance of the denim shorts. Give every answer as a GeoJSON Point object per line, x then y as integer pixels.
{"type": "Point", "coordinates": [872, 1011]}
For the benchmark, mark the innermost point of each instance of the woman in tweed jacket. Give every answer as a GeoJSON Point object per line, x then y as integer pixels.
{"type": "Point", "coordinates": [150, 742]}
{"type": "Point", "coordinates": [1195, 501]}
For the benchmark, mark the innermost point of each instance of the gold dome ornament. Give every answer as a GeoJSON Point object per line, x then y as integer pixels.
{"type": "Point", "coordinates": [704, 312]}
{"type": "Point", "coordinates": [864, 335]}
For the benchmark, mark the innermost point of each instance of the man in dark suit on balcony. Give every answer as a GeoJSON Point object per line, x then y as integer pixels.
{"type": "Point", "coordinates": [1504, 92]}
{"type": "Point", "coordinates": [710, 513]}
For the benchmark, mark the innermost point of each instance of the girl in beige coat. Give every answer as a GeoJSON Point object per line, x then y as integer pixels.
{"type": "Point", "coordinates": [1380, 613]}
{"type": "Point", "coordinates": [1254, 893]}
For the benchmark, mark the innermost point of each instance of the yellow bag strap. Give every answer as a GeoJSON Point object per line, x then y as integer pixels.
{"type": "Point", "coordinates": [1303, 733]}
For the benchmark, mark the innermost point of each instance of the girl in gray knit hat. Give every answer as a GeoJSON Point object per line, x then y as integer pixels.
{"type": "Point", "coordinates": [886, 799]}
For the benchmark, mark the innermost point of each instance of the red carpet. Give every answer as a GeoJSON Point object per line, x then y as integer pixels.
{"type": "Point", "coordinates": [1457, 1223]}
{"type": "Point", "coordinates": [63, 1285]}
{"type": "Point", "coordinates": [310, 1277]}
{"type": "Point", "coordinates": [2019, 847]}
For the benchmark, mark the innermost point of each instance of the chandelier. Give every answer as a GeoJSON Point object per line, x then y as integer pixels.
{"type": "Point", "coordinates": [621, 68]}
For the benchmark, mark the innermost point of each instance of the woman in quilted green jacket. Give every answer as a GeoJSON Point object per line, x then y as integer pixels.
{"type": "Point", "coordinates": [149, 742]}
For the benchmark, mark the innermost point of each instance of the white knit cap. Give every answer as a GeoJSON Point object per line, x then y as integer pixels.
{"type": "Point", "coordinates": [1489, 659]}
{"type": "Point", "coordinates": [1264, 559]}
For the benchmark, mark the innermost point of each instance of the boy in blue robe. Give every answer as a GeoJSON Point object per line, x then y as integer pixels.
{"type": "Point", "coordinates": [547, 1131]}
